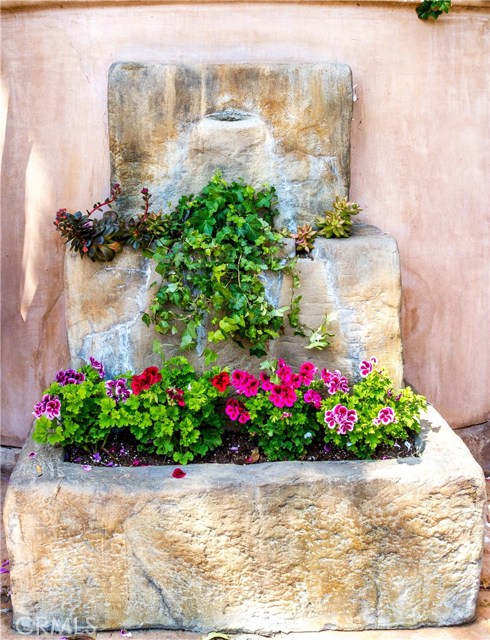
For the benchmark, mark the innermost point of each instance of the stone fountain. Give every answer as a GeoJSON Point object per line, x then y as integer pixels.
{"type": "Point", "coordinates": [277, 547]}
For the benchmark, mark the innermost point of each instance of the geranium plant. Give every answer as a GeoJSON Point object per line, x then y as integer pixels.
{"type": "Point", "coordinates": [174, 411]}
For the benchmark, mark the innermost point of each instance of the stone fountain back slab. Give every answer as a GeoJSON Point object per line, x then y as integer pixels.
{"type": "Point", "coordinates": [171, 127]}
{"type": "Point", "coordinates": [289, 546]}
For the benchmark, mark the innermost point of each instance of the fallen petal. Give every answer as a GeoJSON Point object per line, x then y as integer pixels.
{"type": "Point", "coordinates": [32, 454]}
{"type": "Point", "coordinates": [178, 473]}
{"type": "Point", "coordinates": [3, 570]}
{"type": "Point", "coordinates": [128, 634]}
{"type": "Point", "coordinates": [86, 467]}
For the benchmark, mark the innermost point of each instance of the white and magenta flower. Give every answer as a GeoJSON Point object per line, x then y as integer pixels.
{"type": "Point", "coordinates": [335, 381]}
{"type": "Point", "coordinates": [98, 366]}
{"type": "Point", "coordinates": [313, 397]}
{"type": "Point", "coordinates": [117, 390]}
{"type": "Point", "coordinates": [341, 418]}
{"type": "Point", "coordinates": [70, 376]}
{"type": "Point", "coordinates": [367, 366]}
{"type": "Point", "coordinates": [385, 416]}
{"type": "Point", "coordinates": [49, 406]}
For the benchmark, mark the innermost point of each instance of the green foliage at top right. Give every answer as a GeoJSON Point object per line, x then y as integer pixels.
{"type": "Point", "coordinates": [432, 9]}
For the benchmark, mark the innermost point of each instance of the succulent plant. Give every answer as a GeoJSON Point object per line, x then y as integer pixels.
{"type": "Point", "coordinates": [336, 222]}
{"type": "Point", "coordinates": [98, 238]}
{"type": "Point", "coordinates": [304, 238]}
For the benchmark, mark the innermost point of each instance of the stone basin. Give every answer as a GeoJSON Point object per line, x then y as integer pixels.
{"type": "Point", "coordinates": [275, 547]}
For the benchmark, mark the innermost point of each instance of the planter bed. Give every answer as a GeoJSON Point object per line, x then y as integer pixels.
{"type": "Point", "coordinates": [283, 546]}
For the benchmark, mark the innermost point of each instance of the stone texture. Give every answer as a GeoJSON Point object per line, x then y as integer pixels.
{"type": "Point", "coordinates": [477, 439]}
{"type": "Point", "coordinates": [8, 458]}
{"type": "Point", "coordinates": [357, 278]}
{"type": "Point", "coordinates": [286, 547]}
{"type": "Point", "coordinates": [171, 129]}
{"type": "Point", "coordinates": [485, 571]}
{"type": "Point", "coordinates": [104, 304]}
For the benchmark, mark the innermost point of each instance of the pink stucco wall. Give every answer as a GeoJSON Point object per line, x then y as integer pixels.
{"type": "Point", "coordinates": [420, 161]}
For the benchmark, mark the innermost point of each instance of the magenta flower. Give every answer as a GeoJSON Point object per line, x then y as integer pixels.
{"type": "Point", "coordinates": [335, 381]}
{"type": "Point", "coordinates": [49, 406]}
{"type": "Point", "coordinates": [313, 397]}
{"type": "Point", "coordinates": [286, 414]}
{"type": "Point", "coordinates": [265, 381]}
{"type": "Point", "coordinates": [367, 366]}
{"type": "Point", "coordinates": [176, 396]}
{"type": "Point", "coordinates": [245, 383]}
{"type": "Point", "coordinates": [239, 379]}
{"type": "Point", "coordinates": [236, 410]}
{"type": "Point", "coordinates": [385, 416]}
{"type": "Point", "coordinates": [70, 376]}
{"type": "Point", "coordinates": [251, 387]}
{"type": "Point", "coordinates": [282, 395]}
{"type": "Point", "coordinates": [98, 366]}
{"type": "Point", "coordinates": [117, 390]}
{"type": "Point", "coordinates": [244, 417]}
{"type": "Point", "coordinates": [283, 370]}
{"type": "Point", "coordinates": [307, 372]}
{"type": "Point", "coordinates": [292, 380]}
{"type": "Point", "coordinates": [342, 418]}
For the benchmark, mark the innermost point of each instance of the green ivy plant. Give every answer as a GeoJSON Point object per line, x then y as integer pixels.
{"type": "Point", "coordinates": [432, 8]}
{"type": "Point", "coordinates": [212, 252]}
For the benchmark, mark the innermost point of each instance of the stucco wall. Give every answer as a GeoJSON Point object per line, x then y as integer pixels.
{"type": "Point", "coordinates": [420, 161]}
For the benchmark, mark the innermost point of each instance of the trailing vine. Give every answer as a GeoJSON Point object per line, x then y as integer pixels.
{"type": "Point", "coordinates": [212, 252]}
{"type": "Point", "coordinates": [215, 252]}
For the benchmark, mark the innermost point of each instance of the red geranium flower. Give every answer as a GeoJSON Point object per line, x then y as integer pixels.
{"type": "Point", "coordinates": [145, 380]}
{"type": "Point", "coordinates": [221, 381]}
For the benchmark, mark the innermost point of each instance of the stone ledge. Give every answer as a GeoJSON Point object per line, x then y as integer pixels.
{"type": "Point", "coordinates": [305, 546]}
{"type": "Point", "coordinates": [22, 5]}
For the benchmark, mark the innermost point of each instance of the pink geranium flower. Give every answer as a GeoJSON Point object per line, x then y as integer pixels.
{"type": "Point", "coordinates": [265, 381]}
{"type": "Point", "coordinates": [335, 381]}
{"type": "Point", "coordinates": [367, 366]}
{"type": "Point", "coordinates": [313, 397]}
{"type": "Point", "coordinates": [282, 395]}
{"type": "Point", "coordinates": [307, 372]}
{"type": "Point", "coordinates": [236, 410]}
{"type": "Point", "coordinates": [342, 418]}
{"type": "Point", "coordinates": [385, 416]}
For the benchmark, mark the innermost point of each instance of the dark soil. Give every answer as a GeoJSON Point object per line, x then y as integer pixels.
{"type": "Point", "coordinates": [237, 448]}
